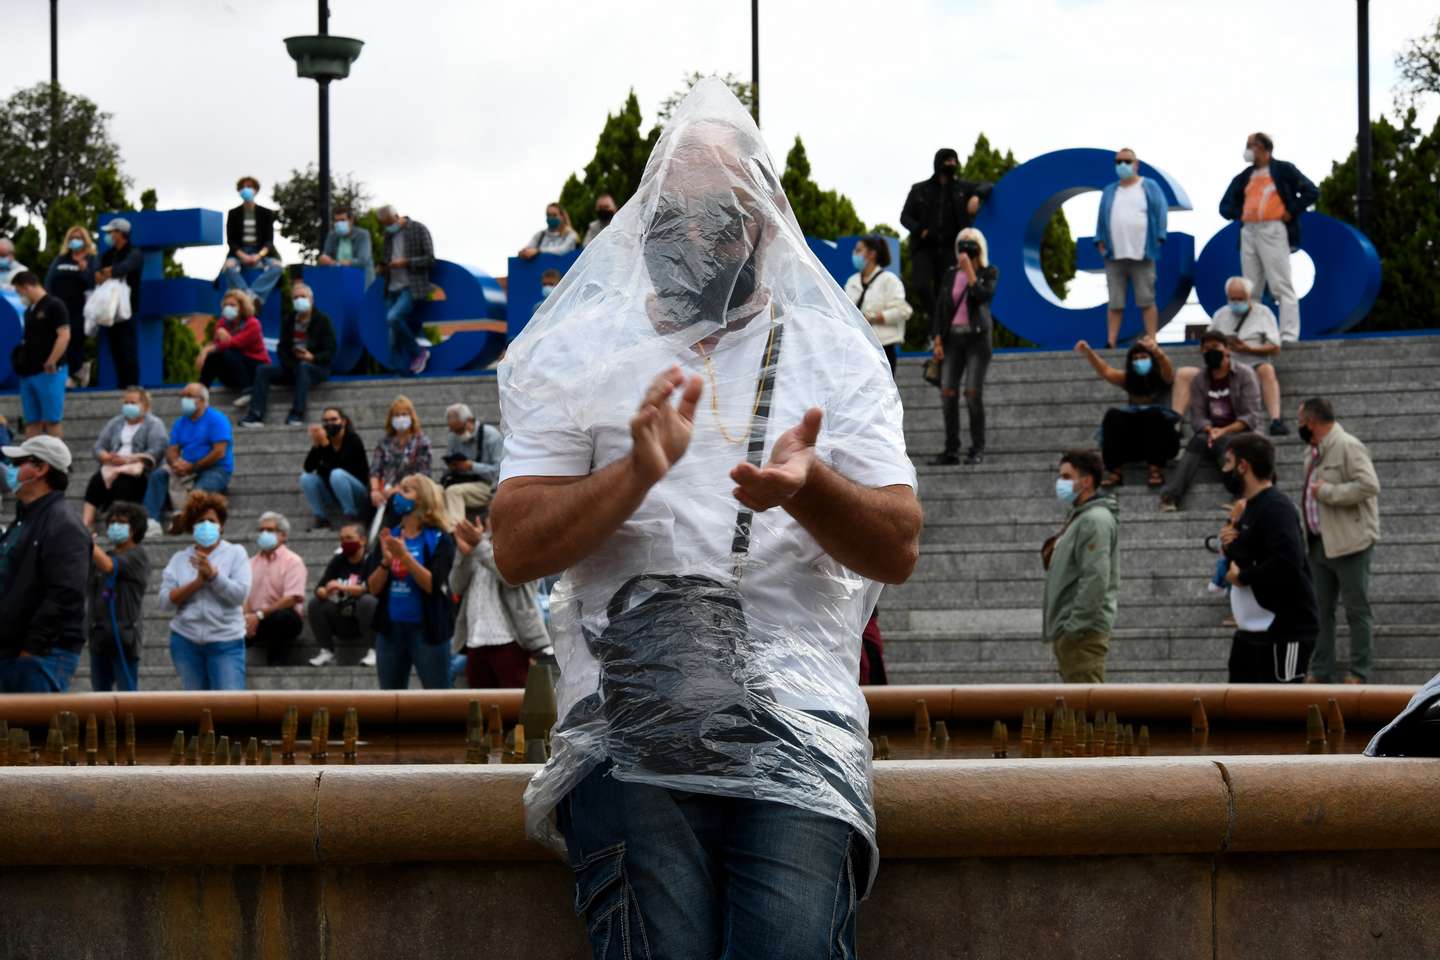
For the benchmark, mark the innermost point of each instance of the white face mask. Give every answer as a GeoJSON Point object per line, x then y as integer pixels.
{"type": "Point", "coordinates": [1249, 155]}
{"type": "Point", "coordinates": [401, 423]}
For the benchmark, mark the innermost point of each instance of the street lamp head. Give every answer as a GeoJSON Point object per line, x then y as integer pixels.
{"type": "Point", "coordinates": [323, 57]}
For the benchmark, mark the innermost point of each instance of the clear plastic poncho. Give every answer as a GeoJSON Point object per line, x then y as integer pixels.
{"type": "Point", "coordinates": [702, 648]}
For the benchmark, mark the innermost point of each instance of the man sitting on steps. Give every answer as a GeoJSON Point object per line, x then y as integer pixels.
{"type": "Point", "coordinates": [1225, 401]}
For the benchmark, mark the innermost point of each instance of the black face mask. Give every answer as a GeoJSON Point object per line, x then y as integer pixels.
{"type": "Point", "coordinates": [333, 429]}
{"type": "Point", "coordinates": [1307, 436]}
{"type": "Point", "coordinates": [1214, 359]}
{"type": "Point", "coordinates": [699, 258]}
{"type": "Point", "coordinates": [604, 216]}
{"type": "Point", "coordinates": [1234, 483]}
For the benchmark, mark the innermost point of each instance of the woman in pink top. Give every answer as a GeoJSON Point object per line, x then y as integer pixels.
{"type": "Point", "coordinates": [961, 329]}
{"type": "Point", "coordinates": [237, 349]}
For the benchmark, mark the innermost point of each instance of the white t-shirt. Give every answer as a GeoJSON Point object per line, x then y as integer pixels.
{"type": "Point", "coordinates": [127, 437]}
{"type": "Point", "coordinates": [1129, 222]}
{"type": "Point", "coordinates": [1258, 328]}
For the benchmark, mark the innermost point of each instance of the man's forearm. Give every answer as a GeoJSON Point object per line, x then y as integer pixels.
{"type": "Point", "coordinates": [543, 526]}
{"type": "Point", "coordinates": [875, 532]}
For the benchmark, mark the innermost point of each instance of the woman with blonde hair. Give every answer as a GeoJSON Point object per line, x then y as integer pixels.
{"type": "Point", "coordinates": [409, 576]}
{"type": "Point", "coordinates": [131, 444]}
{"type": "Point", "coordinates": [402, 451]}
{"type": "Point", "coordinates": [961, 329]}
{"type": "Point", "coordinates": [557, 237]}
{"type": "Point", "coordinates": [237, 349]}
{"type": "Point", "coordinates": [71, 276]}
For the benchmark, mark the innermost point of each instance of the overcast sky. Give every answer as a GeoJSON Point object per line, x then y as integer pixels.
{"type": "Point", "coordinates": [469, 116]}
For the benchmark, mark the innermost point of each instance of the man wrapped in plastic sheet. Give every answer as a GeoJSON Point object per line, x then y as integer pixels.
{"type": "Point", "coordinates": [703, 433]}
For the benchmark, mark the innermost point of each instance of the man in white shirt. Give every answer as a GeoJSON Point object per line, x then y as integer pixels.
{"type": "Point", "coordinates": [1128, 233]}
{"type": "Point", "coordinates": [1253, 332]}
{"type": "Point", "coordinates": [722, 527]}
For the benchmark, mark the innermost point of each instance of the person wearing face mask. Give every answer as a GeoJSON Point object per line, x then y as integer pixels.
{"type": "Point", "coordinates": [204, 587]}
{"type": "Point", "coordinates": [1146, 428]}
{"type": "Point", "coordinates": [409, 574]}
{"type": "Point", "coordinates": [879, 294]}
{"type": "Point", "coordinates": [10, 268]}
{"type": "Point", "coordinates": [129, 447]}
{"type": "Point", "coordinates": [40, 358]}
{"type": "Point", "coordinates": [1129, 230]}
{"type": "Point", "coordinates": [348, 245]}
{"type": "Point", "coordinates": [250, 233]}
{"type": "Point", "coordinates": [1266, 550]}
{"type": "Point", "coordinates": [1268, 198]}
{"type": "Point", "coordinates": [557, 237]}
{"type": "Point", "coordinates": [275, 608]}
{"type": "Point", "coordinates": [44, 556]}
{"type": "Point", "coordinates": [336, 470]}
{"type": "Point", "coordinates": [1251, 331]}
{"type": "Point", "coordinates": [342, 604]}
{"type": "Point", "coordinates": [237, 349]}
{"type": "Point", "coordinates": [549, 280]}
{"type": "Point", "coordinates": [115, 607]}
{"type": "Point", "coordinates": [306, 347]}
{"type": "Point", "coordinates": [1340, 505]}
{"type": "Point", "coordinates": [405, 265]}
{"type": "Point", "coordinates": [70, 277]}
{"type": "Point", "coordinates": [935, 212]}
{"type": "Point", "coordinates": [471, 463]}
{"type": "Point", "coordinates": [200, 456]}
{"type": "Point", "coordinates": [122, 260]}
{"type": "Point", "coordinates": [961, 331]}
{"type": "Point", "coordinates": [1082, 571]}
{"type": "Point", "coordinates": [604, 212]}
{"type": "Point", "coordinates": [1224, 401]}
{"type": "Point", "coordinates": [403, 450]}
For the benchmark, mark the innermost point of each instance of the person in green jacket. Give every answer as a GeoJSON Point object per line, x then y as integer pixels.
{"type": "Point", "coordinates": [1082, 571]}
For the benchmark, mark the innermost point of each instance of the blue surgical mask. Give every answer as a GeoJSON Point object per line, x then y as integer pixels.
{"type": "Point", "coordinates": [5, 263]}
{"type": "Point", "coordinates": [267, 541]}
{"type": "Point", "coordinates": [187, 406]}
{"type": "Point", "coordinates": [1239, 307]}
{"type": "Point", "coordinates": [546, 289]}
{"type": "Point", "coordinates": [342, 227]}
{"type": "Point", "coordinates": [393, 228]}
{"type": "Point", "coordinates": [229, 311]}
{"type": "Point", "coordinates": [1143, 365]}
{"type": "Point", "coordinates": [76, 244]}
{"type": "Point", "coordinates": [247, 194]}
{"type": "Point", "coordinates": [857, 260]}
{"type": "Point", "coordinates": [301, 304]}
{"type": "Point", "coordinates": [12, 477]}
{"type": "Point", "coordinates": [553, 223]}
{"type": "Point", "coordinates": [118, 533]}
{"type": "Point", "coordinates": [1124, 171]}
{"type": "Point", "coordinates": [1064, 490]}
{"type": "Point", "coordinates": [401, 504]}
{"type": "Point", "coordinates": [207, 533]}
{"type": "Point", "coordinates": [130, 411]}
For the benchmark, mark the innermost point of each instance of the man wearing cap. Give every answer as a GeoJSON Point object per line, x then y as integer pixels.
{"type": "Point", "coordinates": [44, 558]}
{"type": "Point", "coordinates": [122, 261]}
{"type": "Point", "coordinates": [471, 463]}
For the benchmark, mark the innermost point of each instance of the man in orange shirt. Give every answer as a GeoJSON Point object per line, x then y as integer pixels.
{"type": "Point", "coordinates": [1267, 198]}
{"type": "Point", "coordinates": [276, 603]}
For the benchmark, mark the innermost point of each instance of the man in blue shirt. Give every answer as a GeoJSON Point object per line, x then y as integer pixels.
{"type": "Point", "coordinates": [1129, 230]}
{"type": "Point", "coordinates": [201, 455]}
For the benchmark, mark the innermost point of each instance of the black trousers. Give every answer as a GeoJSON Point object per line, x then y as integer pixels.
{"type": "Point", "coordinates": [131, 489]}
{"type": "Point", "coordinates": [231, 368]}
{"type": "Point", "coordinates": [927, 268]}
{"type": "Point", "coordinates": [124, 350]}
{"type": "Point", "coordinates": [1260, 658]}
{"type": "Point", "coordinates": [275, 633]}
{"type": "Point", "coordinates": [1138, 436]}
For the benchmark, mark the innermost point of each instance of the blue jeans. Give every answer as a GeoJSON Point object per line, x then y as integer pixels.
{"type": "Point", "coordinates": [404, 346]}
{"type": "Point", "coordinates": [663, 873]}
{"type": "Point", "coordinates": [270, 271]}
{"type": "Point", "coordinates": [208, 666]}
{"type": "Point", "coordinates": [157, 488]}
{"type": "Point", "coordinates": [31, 674]}
{"type": "Point", "coordinates": [42, 396]}
{"type": "Point", "coordinates": [302, 375]}
{"type": "Point", "coordinates": [403, 644]}
{"type": "Point", "coordinates": [109, 672]}
{"type": "Point", "coordinates": [343, 491]}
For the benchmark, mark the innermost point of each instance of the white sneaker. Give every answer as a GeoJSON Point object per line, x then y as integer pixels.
{"type": "Point", "coordinates": [322, 658]}
{"type": "Point", "coordinates": [369, 659]}
{"type": "Point", "coordinates": [152, 529]}
{"type": "Point", "coordinates": [242, 401]}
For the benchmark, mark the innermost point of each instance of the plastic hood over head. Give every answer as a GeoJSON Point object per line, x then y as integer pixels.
{"type": "Point", "coordinates": [703, 648]}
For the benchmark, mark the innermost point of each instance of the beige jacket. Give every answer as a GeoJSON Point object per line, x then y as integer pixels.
{"type": "Point", "coordinates": [1349, 499]}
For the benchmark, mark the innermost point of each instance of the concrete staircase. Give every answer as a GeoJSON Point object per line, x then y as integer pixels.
{"type": "Point", "coordinates": [972, 611]}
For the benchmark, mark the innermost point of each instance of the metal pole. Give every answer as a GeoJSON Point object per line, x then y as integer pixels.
{"type": "Point", "coordinates": [755, 60]}
{"type": "Point", "coordinates": [55, 98]}
{"type": "Point", "coordinates": [1363, 186]}
{"type": "Point", "coordinates": [324, 132]}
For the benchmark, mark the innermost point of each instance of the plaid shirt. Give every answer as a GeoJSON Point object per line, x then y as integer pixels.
{"type": "Point", "coordinates": [1309, 504]}
{"type": "Point", "coordinates": [394, 459]}
{"type": "Point", "coordinates": [419, 251]}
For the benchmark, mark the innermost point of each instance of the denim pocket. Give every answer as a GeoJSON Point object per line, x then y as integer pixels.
{"type": "Point", "coordinates": [842, 917]}
{"type": "Point", "coordinates": [612, 917]}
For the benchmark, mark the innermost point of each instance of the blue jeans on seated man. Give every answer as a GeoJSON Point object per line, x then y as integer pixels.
{"type": "Point", "coordinates": [157, 488]}
{"type": "Point", "coordinates": [108, 672]}
{"type": "Point", "coordinates": [404, 644]}
{"type": "Point", "coordinates": [665, 873]}
{"type": "Point", "coordinates": [404, 344]}
{"type": "Point", "coordinates": [208, 666]}
{"type": "Point", "coordinates": [270, 269]}
{"type": "Point", "coordinates": [343, 492]}
{"type": "Point", "coordinates": [50, 673]}
{"type": "Point", "coordinates": [303, 375]}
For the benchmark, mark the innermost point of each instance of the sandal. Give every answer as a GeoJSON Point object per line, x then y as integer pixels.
{"type": "Point", "coordinates": [1157, 477]}
{"type": "Point", "coordinates": [1113, 479]}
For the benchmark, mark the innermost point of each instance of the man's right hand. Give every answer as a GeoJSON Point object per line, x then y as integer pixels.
{"type": "Point", "coordinates": [1101, 247]}
{"type": "Point", "coordinates": [660, 431]}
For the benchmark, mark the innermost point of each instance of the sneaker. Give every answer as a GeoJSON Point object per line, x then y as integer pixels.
{"type": "Point", "coordinates": [322, 658]}
{"type": "Point", "coordinates": [320, 523]}
{"type": "Point", "coordinates": [1168, 505]}
{"type": "Point", "coordinates": [369, 659]}
{"type": "Point", "coordinates": [417, 366]}
{"type": "Point", "coordinates": [241, 401]}
{"type": "Point", "coordinates": [945, 460]}
{"type": "Point", "coordinates": [252, 422]}
{"type": "Point", "coordinates": [153, 529]}
{"type": "Point", "coordinates": [1278, 429]}
{"type": "Point", "coordinates": [975, 457]}
{"type": "Point", "coordinates": [82, 376]}
{"type": "Point", "coordinates": [294, 421]}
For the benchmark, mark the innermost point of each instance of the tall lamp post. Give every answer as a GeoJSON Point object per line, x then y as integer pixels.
{"type": "Point", "coordinates": [323, 58]}
{"type": "Point", "coordinates": [1363, 185]}
{"type": "Point", "coordinates": [755, 60]}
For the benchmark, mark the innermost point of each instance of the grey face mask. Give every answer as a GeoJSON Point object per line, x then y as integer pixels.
{"type": "Point", "coordinates": [700, 259]}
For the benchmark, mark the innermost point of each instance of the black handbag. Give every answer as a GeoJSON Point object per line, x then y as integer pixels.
{"type": "Point", "coordinates": [673, 657]}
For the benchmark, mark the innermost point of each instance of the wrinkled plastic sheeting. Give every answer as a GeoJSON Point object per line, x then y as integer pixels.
{"type": "Point", "coordinates": [682, 665]}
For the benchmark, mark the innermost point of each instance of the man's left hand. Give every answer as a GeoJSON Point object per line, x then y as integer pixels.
{"type": "Point", "coordinates": [787, 472]}
{"type": "Point", "coordinates": [50, 366]}
{"type": "Point", "coordinates": [1232, 576]}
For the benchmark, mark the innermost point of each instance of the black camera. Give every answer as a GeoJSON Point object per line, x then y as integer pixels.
{"type": "Point", "coordinates": [968, 247]}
